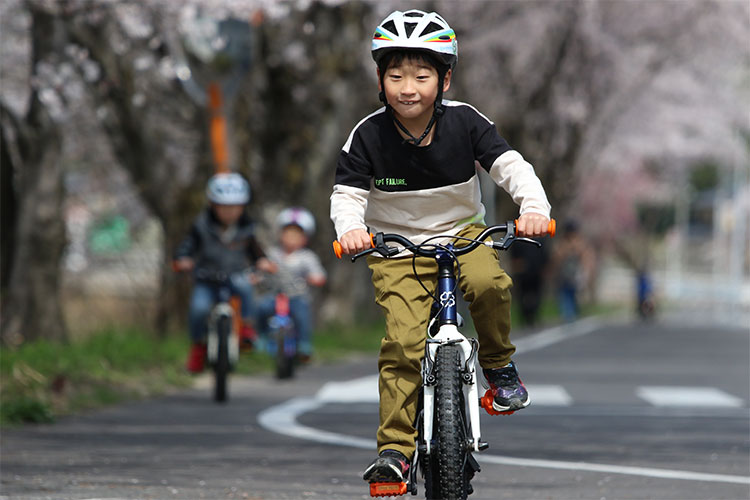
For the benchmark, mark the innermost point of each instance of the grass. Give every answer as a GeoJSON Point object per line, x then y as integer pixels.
{"type": "Point", "coordinates": [43, 379]}
{"type": "Point", "coordinates": [337, 340]}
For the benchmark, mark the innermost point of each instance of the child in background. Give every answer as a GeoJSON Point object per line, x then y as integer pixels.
{"type": "Point", "coordinates": [221, 241]}
{"type": "Point", "coordinates": [298, 269]}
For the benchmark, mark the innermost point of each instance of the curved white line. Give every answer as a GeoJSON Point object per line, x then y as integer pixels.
{"type": "Point", "coordinates": [282, 419]}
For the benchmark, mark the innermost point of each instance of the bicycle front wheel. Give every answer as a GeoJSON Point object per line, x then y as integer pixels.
{"type": "Point", "coordinates": [450, 448]}
{"type": "Point", "coordinates": [221, 369]}
{"type": "Point", "coordinates": [286, 352]}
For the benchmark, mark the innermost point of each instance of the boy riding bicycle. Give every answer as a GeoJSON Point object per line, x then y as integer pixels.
{"type": "Point", "coordinates": [409, 168]}
{"type": "Point", "coordinates": [298, 270]}
{"type": "Point", "coordinates": [221, 241]}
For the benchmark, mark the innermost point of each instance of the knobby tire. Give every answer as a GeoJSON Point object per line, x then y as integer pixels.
{"type": "Point", "coordinates": [449, 453]}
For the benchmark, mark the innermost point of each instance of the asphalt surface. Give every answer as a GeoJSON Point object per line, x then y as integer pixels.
{"type": "Point", "coordinates": [620, 411]}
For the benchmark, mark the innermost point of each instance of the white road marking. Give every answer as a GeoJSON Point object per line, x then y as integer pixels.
{"type": "Point", "coordinates": [548, 395]}
{"type": "Point", "coordinates": [361, 390]}
{"type": "Point", "coordinates": [365, 390]}
{"type": "Point", "coordinates": [282, 418]}
{"type": "Point", "coordinates": [614, 469]}
{"type": "Point", "coordinates": [556, 334]}
{"type": "Point", "coordinates": [707, 397]}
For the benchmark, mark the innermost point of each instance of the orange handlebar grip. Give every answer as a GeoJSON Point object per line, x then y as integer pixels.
{"type": "Point", "coordinates": [551, 228]}
{"type": "Point", "coordinates": [337, 249]}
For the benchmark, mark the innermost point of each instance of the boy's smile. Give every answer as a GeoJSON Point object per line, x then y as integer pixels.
{"type": "Point", "coordinates": [411, 88]}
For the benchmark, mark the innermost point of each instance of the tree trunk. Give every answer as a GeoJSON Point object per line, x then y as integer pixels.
{"type": "Point", "coordinates": [8, 208]}
{"type": "Point", "coordinates": [31, 305]}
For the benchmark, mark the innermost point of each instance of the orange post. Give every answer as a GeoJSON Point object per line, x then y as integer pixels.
{"type": "Point", "coordinates": [218, 129]}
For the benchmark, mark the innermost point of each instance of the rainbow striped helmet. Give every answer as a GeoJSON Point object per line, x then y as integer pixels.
{"type": "Point", "coordinates": [415, 29]}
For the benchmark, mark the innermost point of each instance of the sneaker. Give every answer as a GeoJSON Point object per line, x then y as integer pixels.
{"type": "Point", "coordinates": [510, 393]}
{"type": "Point", "coordinates": [391, 466]}
{"type": "Point", "coordinates": [196, 358]}
{"type": "Point", "coordinates": [248, 337]}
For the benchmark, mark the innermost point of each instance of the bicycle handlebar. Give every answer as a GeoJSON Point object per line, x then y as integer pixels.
{"type": "Point", "coordinates": [379, 241]}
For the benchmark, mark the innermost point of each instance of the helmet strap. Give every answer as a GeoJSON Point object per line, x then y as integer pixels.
{"type": "Point", "coordinates": [437, 113]}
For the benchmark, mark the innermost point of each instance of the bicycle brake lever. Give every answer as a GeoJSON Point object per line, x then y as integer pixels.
{"type": "Point", "coordinates": [382, 248]}
{"type": "Point", "coordinates": [387, 251]}
{"type": "Point", "coordinates": [507, 241]}
{"type": "Point", "coordinates": [529, 240]}
{"type": "Point", "coordinates": [363, 253]}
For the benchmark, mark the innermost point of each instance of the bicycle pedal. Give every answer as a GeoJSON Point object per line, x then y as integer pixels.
{"type": "Point", "coordinates": [387, 489]}
{"type": "Point", "coordinates": [486, 403]}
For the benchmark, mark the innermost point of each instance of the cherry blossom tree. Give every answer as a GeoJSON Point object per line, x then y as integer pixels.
{"type": "Point", "coordinates": [611, 101]}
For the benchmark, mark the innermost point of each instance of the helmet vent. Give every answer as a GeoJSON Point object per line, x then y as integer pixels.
{"type": "Point", "coordinates": [390, 26]}
{"type": "Point", "coordinates": [413, 13]}
{"type": "Point", "coordinates": [409, 27]}
{"type": "Point", "coordinates": [431, 28]}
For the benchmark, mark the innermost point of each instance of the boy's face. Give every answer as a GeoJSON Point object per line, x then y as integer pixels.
{"type": "Point", "coordinates": [411, 88]}
{"type": "Point", "coordinates": [292, 238]}
{"type": "Point", "coordinates": [227, 214]}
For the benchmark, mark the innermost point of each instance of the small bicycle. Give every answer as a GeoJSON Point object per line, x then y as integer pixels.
{"type": "Point", "coordinates": [448, 431]}
{"type": "Point", "coordinates": [284, 337]}
{"type": "Point", "coordinates": [222, 341]}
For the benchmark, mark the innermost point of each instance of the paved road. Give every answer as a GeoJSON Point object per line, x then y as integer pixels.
{"type": "Point", "coordinates": [610, 420]}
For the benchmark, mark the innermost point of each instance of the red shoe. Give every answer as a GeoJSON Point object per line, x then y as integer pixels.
{"type": "Point", "coordinates": [248, 336]}
{"type": "Point", "coordinates": [196, 358]}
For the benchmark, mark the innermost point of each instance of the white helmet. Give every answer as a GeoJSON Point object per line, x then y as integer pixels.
{"type": "Point", "coordinates": [415, 29]}
{"type": "Point", "coordinates": [297, 216]}
{"type": "Point", "coordinates": [228, 189]}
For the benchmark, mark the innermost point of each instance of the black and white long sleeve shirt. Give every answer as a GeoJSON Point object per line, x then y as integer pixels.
{"type": "Point", "coordinates": [385, 185]}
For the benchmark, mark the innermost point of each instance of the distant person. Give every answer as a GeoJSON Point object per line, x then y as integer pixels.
{"type": "Point", "coordinates": [574, 266]}
{"type": "Point", "coordinates": [298, 270]}
{"type": "Point", "coordinates": [645, 294]}
{"type": "Point", "coordinates": [410, 168]}
{"type": "Point", "coordinates": [528, 266]}
{"type": "Point", "coordinates": [221, 241]}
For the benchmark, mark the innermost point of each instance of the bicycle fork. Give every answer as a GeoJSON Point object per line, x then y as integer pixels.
{"type": "Point", "coordinates": [449, 335]}
{"type": "Point", "coordinates": [222, 309]}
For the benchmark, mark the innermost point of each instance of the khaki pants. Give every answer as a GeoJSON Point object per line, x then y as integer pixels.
{"type": "Point", "coordinates": [406, 305]}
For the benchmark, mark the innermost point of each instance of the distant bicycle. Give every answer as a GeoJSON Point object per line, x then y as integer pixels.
{"type": "Point", "coordinates": [447, 421]}
{"type": "Point", "coordinates": [283, 337]}
{"type": "Point", "coordinates": [222, 339]}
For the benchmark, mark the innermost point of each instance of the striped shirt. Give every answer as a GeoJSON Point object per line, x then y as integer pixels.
{"type": "Point", "coordinates": [294, 270]}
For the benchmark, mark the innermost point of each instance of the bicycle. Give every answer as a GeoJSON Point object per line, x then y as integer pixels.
{"type": "Point", "coordinates": [446, 438]}
{"type": "Point", "coordinates": [222, 339]}
{"type": "Point", "coordinates": [284, 336]}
